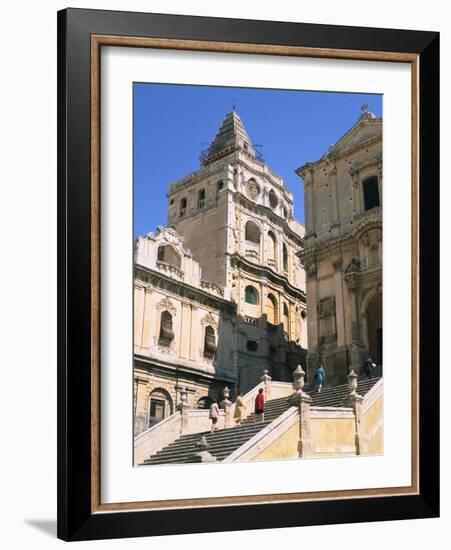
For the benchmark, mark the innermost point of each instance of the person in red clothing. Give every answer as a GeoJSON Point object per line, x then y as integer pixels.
{"type": "Point", "coordinates": [260, 405]}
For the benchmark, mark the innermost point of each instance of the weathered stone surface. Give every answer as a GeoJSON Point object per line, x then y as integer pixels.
{"type": "Point", "coordinates": [343, 252]}
{"type": "Point", "coordinates": [231, 227]}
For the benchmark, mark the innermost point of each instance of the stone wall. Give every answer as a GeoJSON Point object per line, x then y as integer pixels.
{"type": "Point", "coordinates": [343, 252]}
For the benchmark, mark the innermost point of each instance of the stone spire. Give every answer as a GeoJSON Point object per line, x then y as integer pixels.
{"type": "Point", "coordinates": [231, 136]}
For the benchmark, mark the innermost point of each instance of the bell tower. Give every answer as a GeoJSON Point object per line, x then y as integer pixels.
{"type": "Point", "coordinates": [236, 217]}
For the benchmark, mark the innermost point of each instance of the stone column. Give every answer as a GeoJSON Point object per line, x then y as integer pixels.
{"type": "Point", "coordinates": [303, 401]}
{"type": "Point", "coordinates": [356, 184]}
{"type": "Point", "coordinates": [339, 312]}
{"type": "Point", "coordinates": [312, 317]}
{"type": "Point", "coordinates": [357, 345]}
{"type": "Point", "coordinates": [185, 331]}
{"type": "Point", "coordinates": [141, 404]}
{"type": "Point", "coordinates": [307, 177]}
{"type": "Point", "coordinates": [194, 343]}
{"type": "Point", "coordinates": [226, 404]}
{"type": "Point", "coordinates": [266, 380]}
{"type": "Point", "coordinates": [354, 400]}
{"type": "Point", "coordinates": [148, 325]}
{"type": "Point", "coordinates": [139, 314]}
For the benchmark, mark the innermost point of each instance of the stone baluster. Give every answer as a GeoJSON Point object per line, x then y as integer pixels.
{"type": "Point", "coordinates": [354, 400]}
{"type": "Point", "coordinates": [226, 404]}
{"type": "Point", "coordinates": [184, 408]}
{"type": "Point", "coordinates": [202, 455]}
{"type": "Point", "coordinates": [266, 380]}
{"type": "Point", "coordinates": [303, 401]}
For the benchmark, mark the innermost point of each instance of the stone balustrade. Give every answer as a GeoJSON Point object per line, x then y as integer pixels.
{"type": "Point", "coordinates": [212, 287]}
{"type": "Point", "coordinates": [170, 269]}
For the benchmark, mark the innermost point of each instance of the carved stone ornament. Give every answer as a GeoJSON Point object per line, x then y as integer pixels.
{"type": "Point", "coordinates": [336, 264]}
{"type": "Point", "coordinates": [310, 268]}
{"type": "Point", "coordinates": [166, 304]}
{"type": "Point", "coordinates": [253, 189]}
{"type": "Point", "coordinates": [365, 239]}
{"type": "Point", "coordinates": [168, 235]}
{"type": "Point", "coordinates": [354, 170]}
{"type": "Point", "coordinates": [354, 266]}
{"type": "Point", "coordinates": [209, 320]}
{"type": "Point", "coordinates": [351, 281]}
{"type": "Point", "coordinates": [326, 307]}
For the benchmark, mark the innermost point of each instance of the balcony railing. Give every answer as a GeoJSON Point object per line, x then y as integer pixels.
{"type": "Point", "coordinates": [213, 287]}
{"type": "Point", "coordinates": [170, 269]}
{"type": "Point", "coordinates": [251, 320]}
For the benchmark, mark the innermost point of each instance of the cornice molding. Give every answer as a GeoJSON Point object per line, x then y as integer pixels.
{"type": "Point", "coordinates": [182, 289]}
{"type": "Point", "coordinates": [267, 273]}
{"type": "Point", "coordinates": [332, 244]}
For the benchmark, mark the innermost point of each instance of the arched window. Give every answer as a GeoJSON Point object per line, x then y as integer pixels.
{"type": "Point", "coordinates": [160, 406]}
{"type": "Point", "coordinates": [182, 209]}
{"type": "Point", "coordinates": [166, 330]}
{"type": "Point", "coordinates": [271, 248]}
{"type": "Point", "coordinates": [286, 318]}
{"type": "Point", "coordinates": [204, 402]}
{"type": "Point", "coordinates": [271, 310]}
{"type": "Point", "coordinates": [201, 198]}
{"type": "Point", "coordinates": [371, 193]}
{"type": "Point", "coordinates": [273, 199]}
{"type": "Point", "coordinates": [252, 232]}
{"type": "Point", "coordinates": [251, 295]}
{"type": "Point", "coordinates": [220, 185]}
{"type": "Point", "coordinates": [169, 255]}
{"type": "Point", "coordinates": [210, 345]}
{"type": "Point", "coordinates": [285, 257]}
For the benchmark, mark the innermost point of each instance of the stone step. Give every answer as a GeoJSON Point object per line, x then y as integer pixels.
{"type": "Point", "coordinates": [217, 446]}
{"type": "Point", "coordinates": [216, 438]}
{"type": "Point", "coordinates": [224, 441]}
{"type": "Point", "coordinates": [334, 396]}
{"type": "Point", "coordinates": [221, 442]}
{"type": "Point", "coordinates": [221, 449]}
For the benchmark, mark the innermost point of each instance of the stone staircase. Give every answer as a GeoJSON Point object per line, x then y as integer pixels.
{"type": "Point", "coordinates": [222, 442]}
{"type": "Point", "coordinates": [334, 396]}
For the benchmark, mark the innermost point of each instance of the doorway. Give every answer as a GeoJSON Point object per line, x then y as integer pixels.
{"type": "Point", "coordinates": [374, 319]}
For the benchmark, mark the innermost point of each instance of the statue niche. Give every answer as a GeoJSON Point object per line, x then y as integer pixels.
{"type": "Point", "coordinates": [326, 318]}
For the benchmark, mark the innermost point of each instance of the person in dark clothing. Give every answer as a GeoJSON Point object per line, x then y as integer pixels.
{"type": "Point", "coordinates": [260, 405]}
{"type": "Point", "coordinates": [368, 367]}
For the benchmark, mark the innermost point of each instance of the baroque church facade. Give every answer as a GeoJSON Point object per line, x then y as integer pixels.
{"type": "Point", "coordinates": [343, 251]}
{"type": "Point", "coordinates": [219, 295]}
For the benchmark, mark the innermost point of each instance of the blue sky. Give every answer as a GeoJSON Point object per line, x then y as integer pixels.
{"type": "Point", "coordinates": [174, 123]}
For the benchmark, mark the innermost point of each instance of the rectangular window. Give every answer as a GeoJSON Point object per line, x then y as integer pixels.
{"type": "Point", "coordinates": [371, 193]}
{"type": "Point", "coordinates": [201, 199]}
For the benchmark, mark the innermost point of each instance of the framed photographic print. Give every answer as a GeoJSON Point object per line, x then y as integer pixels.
{"type": "Point", "coordinates": [248, 274]}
